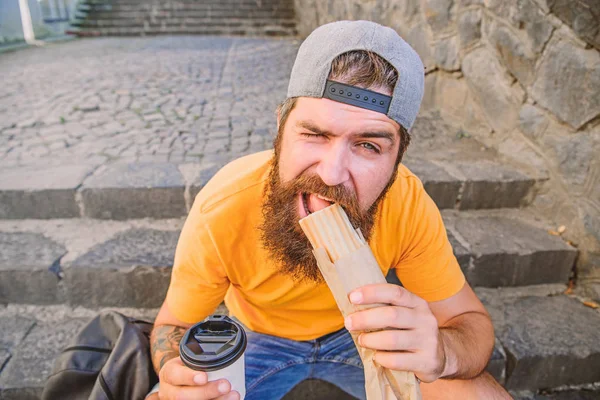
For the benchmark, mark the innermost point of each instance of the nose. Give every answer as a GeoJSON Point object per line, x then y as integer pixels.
{"type": "Point", "coordinates": [333, 167]}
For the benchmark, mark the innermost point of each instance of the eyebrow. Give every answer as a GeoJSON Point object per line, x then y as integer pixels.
{"type": "Point", "coordinates": [311, 126]}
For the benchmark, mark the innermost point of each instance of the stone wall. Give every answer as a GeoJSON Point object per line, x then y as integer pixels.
{"type": "Point", "coordinates": [522, 76]}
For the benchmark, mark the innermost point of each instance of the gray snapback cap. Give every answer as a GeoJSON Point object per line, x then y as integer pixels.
{"type": "Point", "coordinates": [313, 64]}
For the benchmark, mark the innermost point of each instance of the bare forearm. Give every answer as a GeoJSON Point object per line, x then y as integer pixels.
{"type": "Point", "coordinates": [468, 343]}
{"type": "Point", "coordinates": [164, 344]}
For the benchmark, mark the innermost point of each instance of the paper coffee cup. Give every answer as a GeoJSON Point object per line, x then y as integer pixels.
{"type": "Point", "coordinates": [216, 346]}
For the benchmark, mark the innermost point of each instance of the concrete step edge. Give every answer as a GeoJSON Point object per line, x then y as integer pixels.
{"type": "Point", "coordinates": [122, 190]}
{"type": "Point", "coordinates": [148, 7]}
{"type": "Point", "coordinates": [190, 22]}
{"type": "Point", "coordinates": [26, 328]}
{"type": "Point", "coordinates": [184, 15]}
{"type": "Point", "coordinates": [548, 338]}
{"type": "Point", "coordinates": [128, 263]}
{"type": "Point", "coordinates": [270, 32]}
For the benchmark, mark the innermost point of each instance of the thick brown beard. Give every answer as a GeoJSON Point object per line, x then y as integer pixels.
{"type": "Point", "coordinates": [281, 234]}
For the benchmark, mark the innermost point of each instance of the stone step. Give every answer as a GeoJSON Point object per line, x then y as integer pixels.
{"type": "Point", "coordinates": [191, 3]}
{"type": "Point", "coordinates": [165, 6]}
{"type": "Point", "coordinates": [142, 15]}
{"type": "Point", "coordinates": [545, 340]}
{"type": "Point", "coordinates": [186, 22]}
{"type": "Point", "coordinates": [124, 190]}
{"type": "Point", "coordinates": [124, 7]}
{"type": "Point", "coordinates": [267, 31]}
{"type": "Point", "coordinates": [127, 263]}
{"type": "Point", "coordinates": [507, 247]}
{"type": "Point", "coordinates": [134, 18]}
{"type": "Point", "coordinates": [33, 336]}
{"type": "Point", "coordinates": [550, 339]}
{"type": "Point", "coordinates": [588, 392]}
{"type": "Point", "coordinates": [178, 3]}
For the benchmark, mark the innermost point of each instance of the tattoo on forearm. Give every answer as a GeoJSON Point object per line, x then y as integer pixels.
{"type": "Point", "coordinates": [164, 344]}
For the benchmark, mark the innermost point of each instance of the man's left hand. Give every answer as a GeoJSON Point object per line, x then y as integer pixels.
{"type": "Point", "coordinates": [407, 332]}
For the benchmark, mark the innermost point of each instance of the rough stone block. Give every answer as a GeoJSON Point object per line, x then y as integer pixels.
{"type": "Point", "coordinates": [549, 341]}
{"type": "Point", "coordinates": [582, 16]}
{"type": "Point", "coordinates": [19, 393]}
{"type": "Point", "coordinates": [417, 37]}
{"type": "Point", "coordinates": [131, 269]}
{"type": "Point", "coordinates": [203, 177]}
{"type": "Point", "coordinates": [441, 186]}
{"type": "Point", "coordinates": [439, 14]}
{"type": "Point", "coordinates": [574, 155]}
{"type": "Point", "coordinates": [463, 256]}
{"type": "Point", "coordinates": [492, 86]}
{"type": "Point", "coordinates": [526, 18]}
{"type": "Point", "coordinates": [492, 185]}
{"type": "Point", "coordinates": [568, 395]}
{"type": "Point", "coordinates": [141, 190]}
{"type": "Point", "coordinates": [515, 53]}
{"type": "Point", "coordinates": [575, 97]}
{"type": "Point", "coordinates": [4, 357]}
{"type": "Point", "coordinates": [469, 28]}
{"type": "Point", "coordinates": [497, 364]}
{"type": "Point", "coordinates": [12, 331]}
{"type": "Point", "coordinates": [25, 373]}
{"type": "Point", "coordinates": [532, 121]}
{"type": "Point", "coordinates": [445, 52]}
{"type": "Point", "coordinates": [41, 192]}
{"type": "Point", "coordinates": [29, 263]}
{"type": "Point", "coordinates": [508, 252]}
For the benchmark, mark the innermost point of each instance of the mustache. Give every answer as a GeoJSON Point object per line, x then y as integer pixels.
{"type": "Point", "coordinates": [339, 194]}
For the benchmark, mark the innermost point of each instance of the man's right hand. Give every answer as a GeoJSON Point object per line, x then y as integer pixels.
{"type": "Point", "coordinates": [178, 382]}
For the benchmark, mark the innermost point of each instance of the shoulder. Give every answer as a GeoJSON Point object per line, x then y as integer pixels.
{"type": "Point", "coordinates": [406, 191]}
{"type": "Point", "coordinates": [406, 208]}
{"type": "Point", "coordinates": [243, 178]}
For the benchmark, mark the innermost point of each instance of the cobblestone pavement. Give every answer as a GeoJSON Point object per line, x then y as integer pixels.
{"type": "Point", "coordinates": [178, 99]}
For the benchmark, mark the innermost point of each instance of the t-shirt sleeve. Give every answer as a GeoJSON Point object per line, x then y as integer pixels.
{"type": "Point", "coordinates": [198, 280]}
{"type": "Point", "coordinates": [428, 267]}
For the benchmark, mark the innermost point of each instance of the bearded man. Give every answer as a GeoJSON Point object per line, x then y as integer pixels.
{"type": "Point", "coordinates": [354, 92]}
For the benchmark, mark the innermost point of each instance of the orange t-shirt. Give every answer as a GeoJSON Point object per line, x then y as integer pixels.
{"type": "Point", "coordinates": [220, 256]}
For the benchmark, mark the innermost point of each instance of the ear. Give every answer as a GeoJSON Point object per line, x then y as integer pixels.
{"type": "Point", "coordinates": [278, 117]}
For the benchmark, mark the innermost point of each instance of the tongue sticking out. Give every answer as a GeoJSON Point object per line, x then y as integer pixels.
{"type": "Point", "coordinates": [315, 203]}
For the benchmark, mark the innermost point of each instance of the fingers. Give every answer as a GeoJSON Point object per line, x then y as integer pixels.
{"type": "Point", "coordinates": [386, 293]}
{"type": "Point", "coordinates": [426, 369]}
{"type": "Point", "coordinates": [174, 372]}
{"type": "Point", "coordinates": [391, 340]}
{"type": "Point", "coordinates": [233, 395]}
{"type": "Point", "coordinates": [381, 318]}
{"type": "Point", "coordinates": [219, 389]}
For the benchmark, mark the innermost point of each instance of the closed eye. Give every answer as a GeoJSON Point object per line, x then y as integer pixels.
{"type": "Point", "coordinates": [312, 135]}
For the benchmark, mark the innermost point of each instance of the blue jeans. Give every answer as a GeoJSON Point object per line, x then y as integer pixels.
{"type": "Point", "coordinates": [275, 365]}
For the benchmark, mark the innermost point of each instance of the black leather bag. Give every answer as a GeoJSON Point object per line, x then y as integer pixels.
{"type": "Point", "coordinates": [109, 359]}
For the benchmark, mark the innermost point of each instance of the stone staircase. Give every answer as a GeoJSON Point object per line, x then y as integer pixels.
{"type": "Point", "coordinates": [185, 17]}
{"type": "Point", "coordinates": [75, 241]}
{"type": "Point", "coordinates": [140, 126]}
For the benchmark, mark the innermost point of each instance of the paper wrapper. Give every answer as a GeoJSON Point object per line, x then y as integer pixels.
{"type": "Point", "coordinates": [347, 263]}
{"type": "Point", "coordinates": [380, 383]}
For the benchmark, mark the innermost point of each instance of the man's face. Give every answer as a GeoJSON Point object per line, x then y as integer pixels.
{"type": "Point", "coordinates": [327, 152]}
{"type": "Point", "coordinates": [341, 144]}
